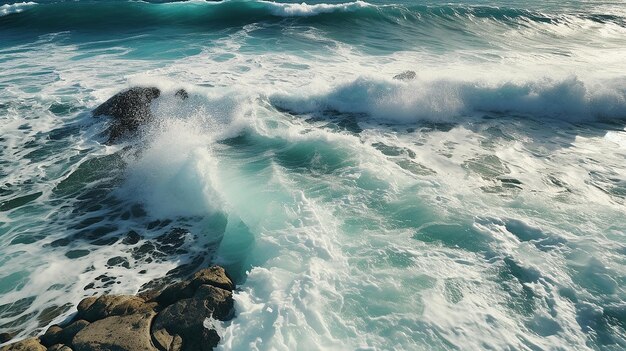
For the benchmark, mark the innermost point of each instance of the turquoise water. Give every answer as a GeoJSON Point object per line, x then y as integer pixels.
{"type": "Point", "coordinates": [479, 206]}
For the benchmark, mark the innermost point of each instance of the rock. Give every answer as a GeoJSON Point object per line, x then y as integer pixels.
{"type": "Point", "coordinates": [51, 336]}
{"type": "Point", "coordinates": [133, 323]}
{"type": "Point", "coordinates": [182, 94]}
{"type": "Point", "coordinates": [30, 344]}
{"type": "Point", "coordinates": [111, 305]}
{"type": "Point", "coordinates": [406, 75]}
{"type": "Point", "coordinates": [162, 339]}
{"type": "Point", "coordinates": [123, 333]}
{"type": "Point", "coordinates": [4, 337]}
{"type": "Point", "coordinates": [129, 110]}
{"type": "Point", "coordinates": [68, 333]}
{"type": "Point", "coordinates": [85, 303]}
{"type": "Point", "coordinates": [57, 335]}
{"type": "Point", "coordinates": [177, 343]}
{"type": "Point", "coordinates": [214, 276]}
{"type": "Point", "coordinates": [186, 318]}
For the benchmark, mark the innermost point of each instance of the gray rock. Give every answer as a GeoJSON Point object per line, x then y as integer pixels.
{"type": "Point", "coordinates": [30, 344]}
{"type": "Point", "coordinates": [119, 333]}
{"type": "Point", "coordinates": [59, 347]}
{"type": "Point", "coordinates": [406, 75]}
{"type": "Point", "coordinates": [129, 110]}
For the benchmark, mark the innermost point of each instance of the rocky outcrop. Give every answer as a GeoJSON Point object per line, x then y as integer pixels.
{"type": "Point", "coordinates": [168, 319]}
{"type": "Point", "coordinates": [30, 344]}
{"type": "Point", "coordinates": [406, 75]}
{"type": "Point", "coordinates": [130, 109]}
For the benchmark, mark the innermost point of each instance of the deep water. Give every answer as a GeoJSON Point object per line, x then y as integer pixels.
{"type": "Point", "coordinates": [481, 205]}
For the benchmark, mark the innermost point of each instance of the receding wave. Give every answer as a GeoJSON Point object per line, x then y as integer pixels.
{"type": "Point", "coordinates": [569, 99]}
{"type": "Point", "coordinates": [120, 15]}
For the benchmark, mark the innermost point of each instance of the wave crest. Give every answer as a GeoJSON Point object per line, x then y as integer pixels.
{"type": "Point", "coordinates": [8, 9]}
{"type": "Point", "coordinates": [444, 100]}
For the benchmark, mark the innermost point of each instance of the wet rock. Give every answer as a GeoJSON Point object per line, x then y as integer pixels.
{"type": "Point", "coordinates": [170, 319]}
{"type": "Point", "coordinates": [124, 333]}
{"type": "Point", "coordinates": [71, 330]}
{"type": "Point", "coordinates": [4, 337]}
{"type": "Point", "coordinates": [131, 238]}
{"type": "Point", "coordinates": [129, 110]}
{"type": "Point", "coordinates": [30, 344]}
{"type": "Point", "coordinates": [52, 335]}
{"type": "Point", "coordinates": [214, 276]}
{"type": "Point", "coordinates": [406, 75]}
{"type": "Point", "coordinates": [182, 94]}
{"type": "Point", "coordinates": [118, 261]}
{"type": "Point", "coordinates": [186, 317]}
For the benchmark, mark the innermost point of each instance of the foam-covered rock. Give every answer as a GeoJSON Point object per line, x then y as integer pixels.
{"type": "Point", "coordinates": [129, 110]}
{"type": "Point", "coordinates": [406, 75]}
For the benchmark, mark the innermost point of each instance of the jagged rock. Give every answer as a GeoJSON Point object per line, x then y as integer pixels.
{"type": "Point", "coordinates": [121, 333]}
{"type": "Point", "coordinates": [30, 344]}
{"type": "Point", "coordinates": [186, 317]}
{"type": "Point", "coordinates": [215, 276]}
{"type": "Point", "coordinates": [133, 323]}
{"type": "Point", "coordinates": [406, 75]}
{"type": "Point", "coordinates": [111, 305]}
{"type": "Point", "coordinates": [182, 94]}
{"type": "Point", "coordinates": [129, 110]}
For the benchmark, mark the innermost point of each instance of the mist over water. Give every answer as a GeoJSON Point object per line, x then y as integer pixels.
{"type": "Point", "coordinates": [480, 205]}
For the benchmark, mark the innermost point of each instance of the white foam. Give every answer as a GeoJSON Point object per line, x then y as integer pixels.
{"type": "Point", "coordinates": [17, 7]}
{"type": "Point", "coordinates": [447, 100]}
{"type": "Point", "coordinates": [306, 10]}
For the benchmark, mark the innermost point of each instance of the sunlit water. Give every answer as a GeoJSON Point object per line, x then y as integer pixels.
{"type": "Point", "coordinates": [480, 206]}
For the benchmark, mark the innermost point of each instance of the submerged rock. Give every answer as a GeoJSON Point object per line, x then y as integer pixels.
{"type": "Point", "coordinates": [167, 319]}
{"type": "Point", "coordinates": [406, 75]}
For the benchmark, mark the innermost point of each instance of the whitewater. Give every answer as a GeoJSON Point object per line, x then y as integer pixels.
{"type": "Point", "coordinates": [480, 205]}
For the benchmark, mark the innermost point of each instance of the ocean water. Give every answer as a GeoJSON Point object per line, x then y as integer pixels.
{"type": "Point", "coordinates": [481, 205]}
